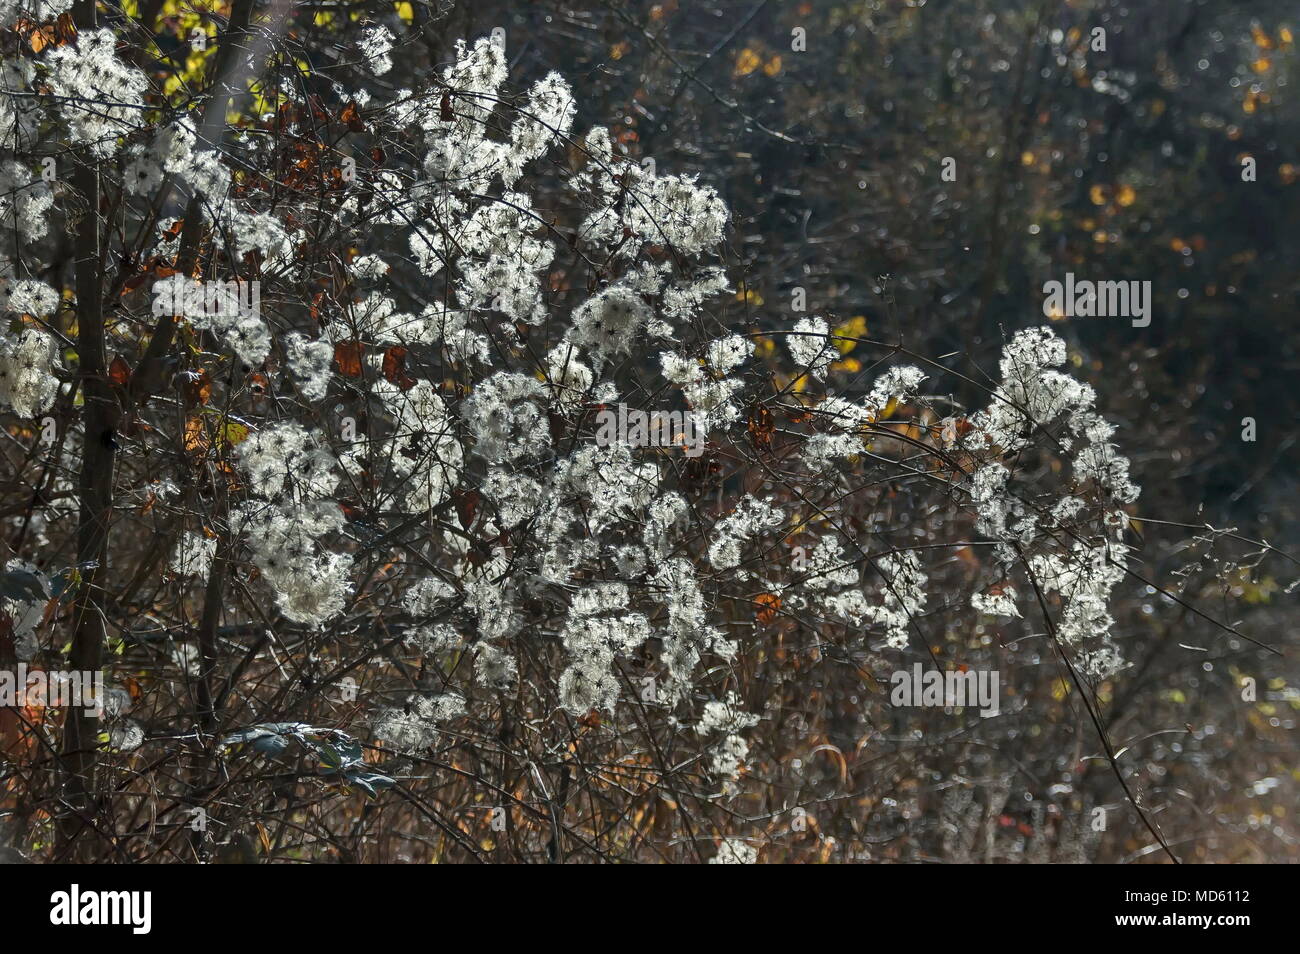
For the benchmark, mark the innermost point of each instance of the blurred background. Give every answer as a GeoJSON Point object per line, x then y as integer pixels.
{"type": "Point", "coordinates": [1124, 163]}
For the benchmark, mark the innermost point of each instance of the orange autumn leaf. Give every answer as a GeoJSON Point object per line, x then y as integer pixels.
{"type": "Point", "coordinates": [347, 358]}
{"type": "Point", "coordinates": [119, 372]}
{"type": "Point", "coordinates": [394, 368]}
{"type": "Point", "coordinates": [352, 117]}
{"type": "Point", "coordinates": [38, 37]}
{"type": "Point", "coordinates": [769, 604]}
{"type": "Point", "coordinates": [196, 438]}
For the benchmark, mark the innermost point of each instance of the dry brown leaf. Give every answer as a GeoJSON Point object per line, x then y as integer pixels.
{"type": "Point", "coordinates": [347, 358]}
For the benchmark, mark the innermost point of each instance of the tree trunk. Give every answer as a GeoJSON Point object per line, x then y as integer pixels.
{"type": "Point", "coordinates": [95, 487]}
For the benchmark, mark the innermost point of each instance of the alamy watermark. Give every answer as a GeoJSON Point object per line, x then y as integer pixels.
{"type": "Point", "coordinates": [182, 296]}
{"type": "Point", "coordinates": [77, 907]}
{"type": "Point", "coordinates": [636, 428]}
{"type": "Point", "coordinates": [1089, 299]}
{"type": "Point", "coordinates": [55, 688]}
{"type": "Point", "coordinates": [972, 688]}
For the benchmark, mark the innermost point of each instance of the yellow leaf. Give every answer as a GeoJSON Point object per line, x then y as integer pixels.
{"type": "Point", "coordinates": [855, 327]}
{"type": "Point", "coordinates": [234, 432]}
{"type": "Point", "coordinates": [747, 61]}
{"type": "Point", "coordinates": [405, 11]}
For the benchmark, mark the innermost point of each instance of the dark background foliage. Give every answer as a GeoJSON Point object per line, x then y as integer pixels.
{"type": "Point", "coordinates": [1117, 164]}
